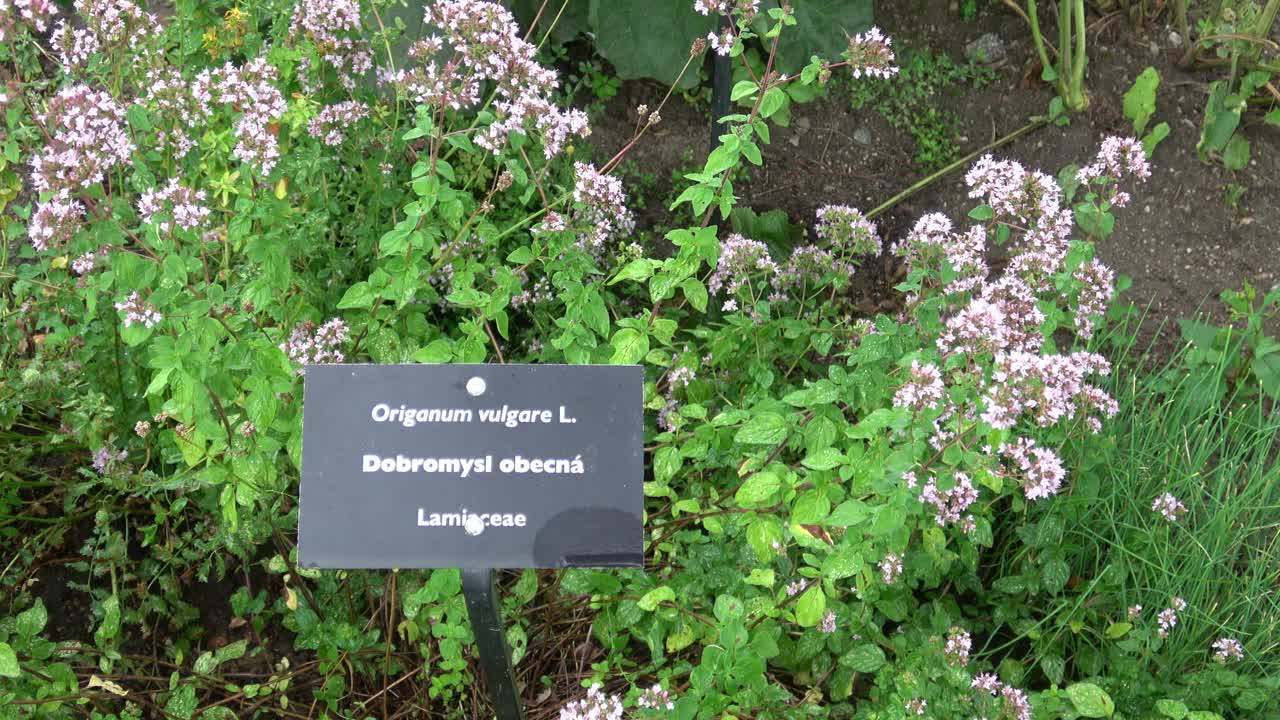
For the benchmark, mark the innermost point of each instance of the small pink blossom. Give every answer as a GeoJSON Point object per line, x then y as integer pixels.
{"type": "Point", "coordinates": [1170, 507]}
{"type": "Point", "coordinates": [1227, 649]}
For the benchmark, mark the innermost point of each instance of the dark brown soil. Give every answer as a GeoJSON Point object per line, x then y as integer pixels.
{"type": "Point", "coordinates": [1179, 240]}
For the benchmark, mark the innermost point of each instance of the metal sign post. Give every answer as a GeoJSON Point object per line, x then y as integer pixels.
{"type": "Point", "coordinates": [495, 657]}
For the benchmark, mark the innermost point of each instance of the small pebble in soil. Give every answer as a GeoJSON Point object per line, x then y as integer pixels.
{"type": "Point", "coordinates": [987, 49]}
{"type": "Point", "coordinates": [1175, 40]}
{"type": "Point", "coordinates": [862, 136]}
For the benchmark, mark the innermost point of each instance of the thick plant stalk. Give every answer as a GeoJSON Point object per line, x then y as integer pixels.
{"type": "Point", "coordinates": [1077, 99]}
{"type": "Point", "coordinates": [1072, 57]}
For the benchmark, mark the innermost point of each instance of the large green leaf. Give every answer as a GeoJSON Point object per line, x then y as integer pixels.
{"type": "Point", "coordinates": [648, 38]}
{"type": "Point", "coordinates": [822, 28]}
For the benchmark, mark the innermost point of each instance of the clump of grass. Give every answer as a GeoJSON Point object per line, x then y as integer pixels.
{"type": "Point", "coordinates": [1182, 433]}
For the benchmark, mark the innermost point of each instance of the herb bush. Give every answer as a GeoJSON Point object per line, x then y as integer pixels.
{"type": "Point", "coordinates": [216, 198]}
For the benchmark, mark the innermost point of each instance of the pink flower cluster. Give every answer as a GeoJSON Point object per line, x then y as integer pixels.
{"type": "Point", "coordinates": [1119, 157]}
{"type": "Point", "coordinates": [950, 505]}
{"type": "Point", "coordinates": [740, 259]}
{"type": "Point", "coordinates": [334, 26]}
{"type": "Point", "coordinates": [807, 267]}
{"type": "Point", "coordinates": [848, 231]}
{"type": "Point", "coordinates": [183, 106]}
{"type": "Point", "coordinates": [1040, 469]}
{"type": "Point", "coordinates": [486, 47]}
{"type": "Point", "coordinates": [84, 264]}
{"type": "Point", "coordinates": [827, 625]}
{"type": "Point", "coordinates": [115, 21]}
{"type": "Point", "coordinates": [870, 54]}
{"type": "Point", "coordinates": [74, 45]}
{"type": "Point", "coordinates": [601, 206]}
{"type": "Point", "coordinates": [923, 389]}
{"type": "Point", "coordinates": [1167, 619]}
{"type": "Point", "coordinates": [103, 458]}
{"type": "Point", "coordinates": [33, 13]}
{"type": "Point", "coordinates": [182, 203]}
{"type": "Point", "coordinates": [331, 125]}
{"type": "Point", "coordinates": [678, 377]}
{"type": "Point", "coordinates": [136, 311]}
{"type": "Point", "coordinates": [309, 345]}
{"type": "Point", "coordinates": [890, 568]}
{"type": "Point", "coordinates": [1032, 202]}
{"type": "Point", "coordinates": [745, 8]}
{"type": "Point", "coordinates": [1097, 286]}
{"type": "Point", "coordinates": [87, 138]}
{"type": "Point", "coordinates": [655, 698]}
{"type": "Point", "coordinates": [931, 241]}
{"type": "Point", "coordinates": [1051, 387]}
{"type": "Point", "coordinates": [55, 220]}
{"type": "Point", "coordinates": [249, 89]}
{"type": "Point", "coordinates": [597, 705]}
{"type": "Point", "coordinates": [1015, 702]}
{"type": "Point", "coordinates": [959, 643]}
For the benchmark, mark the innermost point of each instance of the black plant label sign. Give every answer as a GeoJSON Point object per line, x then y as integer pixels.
{"type": "Point", "coordinates": [471, 466]}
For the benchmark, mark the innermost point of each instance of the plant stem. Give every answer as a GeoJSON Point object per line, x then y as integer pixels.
{"type": "Point", "coordinates": [917, 187]}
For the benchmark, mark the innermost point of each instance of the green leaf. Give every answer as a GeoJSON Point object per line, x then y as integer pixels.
{"type": "Point", "coordinates": [1266, 367]}
{"type": "Point", "coordinates": [864, 658]}
{"type": "Point", "coordinates": [467, 297]}
{"type": "Point", "coordinates": [811, 606]}
{"type": "Point", "coordinates": [758, 489]}
{"type": "Point", "coordinates": [650, 601]}
{"type": "Point", "coordinates": [824, 459]}
{"type": "Point", "coordinates": [639, 269]}
{"type": "Point", "coordinates": [743, 88]}
{"type": "Point", "coordinates": [1173, 709]}
{"type": "Point", "coordinates": [359, 296]}
{"type": "Point", "coordinates": [1140, 100]}
{"type": "Point", "coordinates": [629, 346]}
{"type": "Point", "coordinates": [1154, 138]}
{"type": "Point", "coordinates": [1055, 574]}
{"type": "Point", "coordinates": [1115, 631]}
{"type": "Point", "coordinates": [982, 213]}
{"type": "Point", "coordinates": [110, 626]}
{"type": "Point", "coordinates": [636, 53]}
{"type": "Point", "coordinates": [763, 578]}
{"type": "Point", "coordinates": [696, 293]}
{"type": "Point", "coordinates": [849, 513]}
{"type": "Point", "coordinates": [766, 428]}
{"type": "Point", "coordinates": [8, 662]}
{"type": "Point", "coordinates": [1236, 154]}
{"type": "Point", "coordinates": [32, 620]}
{"type": "Point", "coordinates": [1090, 700]}
{"type": "Point", "coordinates": [437, 351]}
{"type": "Point", "coordinates": [772, 102]}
